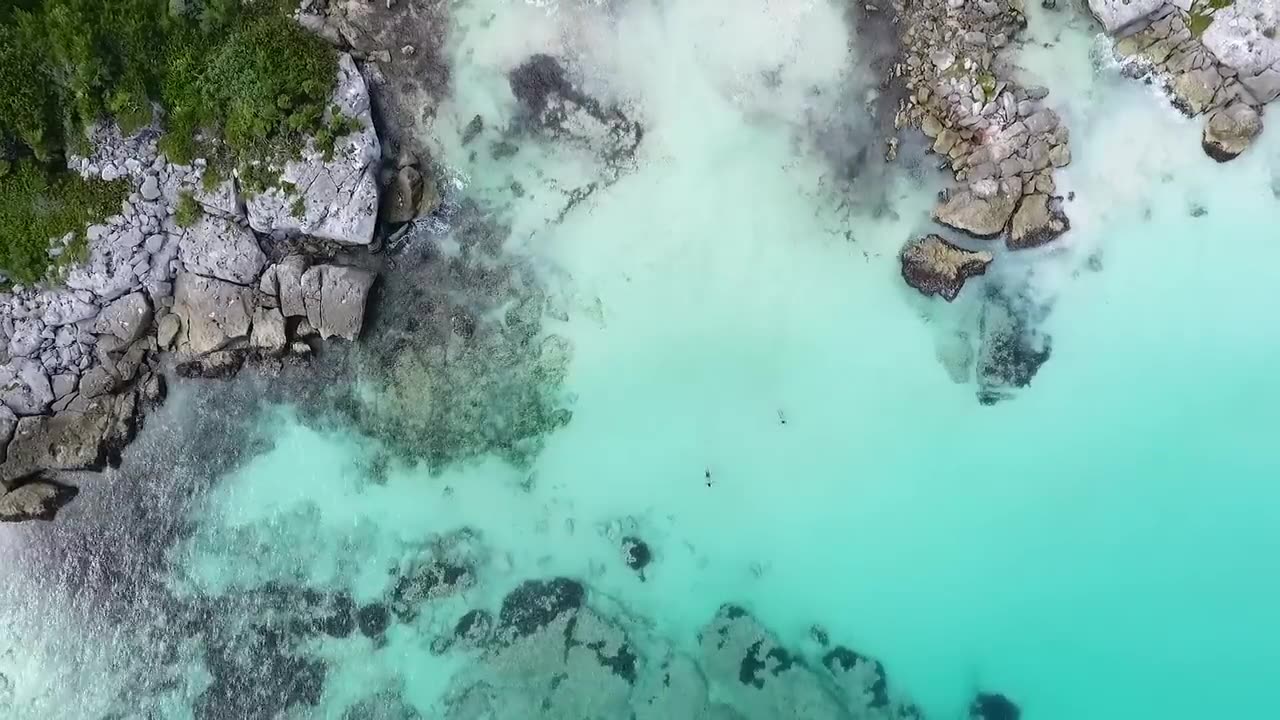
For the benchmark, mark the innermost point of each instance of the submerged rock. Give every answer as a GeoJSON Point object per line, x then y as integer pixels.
{"type": "Point", "coordinates": [1230, 131]}
{"type": "Point", "coordinates": [1039, 220]}
{"type": "Point", "coordinates": [534, 604]}
{"type": "Point", "coordinates": [636, 554]}
{"type": "Point", "coordinates": [982, 217]}
{"type": "Point", "coordinates": [936, 267]}
{"type": "Point", "coordinates": [335, 298]}
{"type": "Point", "coordinates": [993, 706]}
{"type": "Point", "coordinates": [1010, 350]}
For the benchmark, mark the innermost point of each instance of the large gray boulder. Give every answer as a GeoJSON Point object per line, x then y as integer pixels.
{"type": "Point", "coordinates": [337, 196]}
{"type": "Point", "coordinates": [982, 217]}
{"type": "Point", "coordinates": [82, 439]}
{"type": "Point", "coordinates": [35, 500]}
{"type": "Point", "coordinates": [24, 387]}
{"type": "Point", "coordinates": [126, 318]}
{"type": "Point", "coordinates": [288, 275]}
{"type": "Point", "coordinates": [1230, 131]}
{"type": "Point", "coordinates": [219, 248]}
{"type": "Point", "coordinates": [1117, 16]}
{"type": "Point", "coordinates": [335, 298]}
{"type": "Point", "coordinates": [213, 312]}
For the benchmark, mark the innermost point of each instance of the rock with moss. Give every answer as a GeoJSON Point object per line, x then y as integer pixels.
{"type": "Point", "coordinates": [338, 189]}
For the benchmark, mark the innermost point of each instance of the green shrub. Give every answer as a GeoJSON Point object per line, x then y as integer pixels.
{"type": "Point", "coordinates": [188, 210]}
{"type": "Point", "coordinates": [240, 71]}
{"type": "Point", "coordinates": [37, 205]}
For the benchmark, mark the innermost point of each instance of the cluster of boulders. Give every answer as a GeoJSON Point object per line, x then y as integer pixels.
{"type": "Point", "coordinates": [1214, 58]}
{"type": "Point", "coordinates": [999, 139]}
{"type": "Point", "coordinates": [199, 283]}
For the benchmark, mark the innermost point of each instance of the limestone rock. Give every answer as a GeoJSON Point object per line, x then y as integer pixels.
{"type": "Point", "coordinates": [126, 318]}
{"type": "Point", "coordinates": [1230, 131]}
{"type": "Point", "coordinates": [213, 312]}
{"type": "Point", "coordinates": [1242, 36]}
{"type": "Point", "coordinates": [218, 248]}
{"type": "Point", "coordinates": [1039, 220]}
{"type": "Point", "coordinates": [24, 387]}
{"type": "Point", "coordinates": [268, 331]}
{"type": "Point", "coordinates": [34, 500]}
{"type": "Point", "coordinates": [1193, 91]}
{"type": "Point", "coordinates": [70, 440]}
{"type": "Point", "coordinates": [168, 329]}
{"type": "Point", "coordinates": [978, 216]}
{"type": "Point", "coordinates": [335, 298]}
{"type": "Point", "coordinates": [1118, 15]}
{"type": "Point", "coordinates": [339, 194]}
{"type": "Point", "coordinates": [936, 267]}
{"type": "Point", "coordinates": [289, 284]}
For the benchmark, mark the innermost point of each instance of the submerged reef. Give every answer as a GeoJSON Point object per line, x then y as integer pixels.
{"type": "Point", "coordinates": [456, 363]}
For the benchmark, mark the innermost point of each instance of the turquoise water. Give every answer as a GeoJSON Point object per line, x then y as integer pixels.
{"type": "Point", "coordinates": [1099, 546]}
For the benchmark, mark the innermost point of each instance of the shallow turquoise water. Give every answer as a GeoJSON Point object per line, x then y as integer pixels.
{"type": "Point", "coordinates": [1100, 546]}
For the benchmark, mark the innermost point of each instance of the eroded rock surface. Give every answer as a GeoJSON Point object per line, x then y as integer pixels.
{"type": "Point", "coordinates": [330, 196]}
{"type": "Point", "coordinates": [221, 249]}
{"type": "Point", "coordinates": [1039, 220]}
{"type": "Point", "coordinates": [981, 217]}
{"type": "Point", "coordinates": [936, 267]}
{"type": "Point", "coordinates": [1230, 131]}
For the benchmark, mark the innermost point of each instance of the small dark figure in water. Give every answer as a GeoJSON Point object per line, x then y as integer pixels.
{"type": "Point", "coordinates": [782, 419]}
{"type": "Point", "coordinates": [708, 478]}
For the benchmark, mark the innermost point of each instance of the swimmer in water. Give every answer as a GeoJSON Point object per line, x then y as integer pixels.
{"type": "Point", "coordinates": [708, 472]}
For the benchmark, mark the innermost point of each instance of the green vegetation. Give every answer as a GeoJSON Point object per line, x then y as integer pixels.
{"type": "Point", "coordinates": [188, 210]}
{"type": "Point", "coordinates": [298, 208]}
{"type": "Point", "coordinates": [36, 205]}
{"type": "Point", "coordinates": [238, 71]}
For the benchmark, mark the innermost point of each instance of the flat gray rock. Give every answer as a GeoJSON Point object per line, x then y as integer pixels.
{"type": "Point", "coordinates": [212, 312]}
{"type": "Point", "coordinates": [1238, 36]}
{"type": "Point", "coordinates": [288, 275]}
{"type": "Point", "coordinates": [337, 196]}
{"type": "Point", "coordinates": [1230, 131]}
{"type": "Point", "coordinates": [125, 318]}
{"type": "Point", "coordinates": [24, 387]}
{"type": "Point", "coordinates": [335, 297]}
{"type": "Point", "coordinates": [38, 500]}
{"type": "Point", "coordinates": [219, 248]}
{"type": "Point", "coordinates": [268, 331]}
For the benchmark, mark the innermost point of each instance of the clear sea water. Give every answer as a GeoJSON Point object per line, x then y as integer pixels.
{"type": "Point", "coordinates": [1103, 545]}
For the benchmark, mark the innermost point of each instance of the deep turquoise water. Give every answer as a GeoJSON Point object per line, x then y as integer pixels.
{"type": "Point", "coordinates": [1100, 546]}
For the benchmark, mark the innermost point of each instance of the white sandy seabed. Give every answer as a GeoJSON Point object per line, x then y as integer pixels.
{"type": "Point", "coordinates": [1101, 546]}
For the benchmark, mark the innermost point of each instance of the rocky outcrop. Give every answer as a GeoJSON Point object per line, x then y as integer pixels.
{"type": "Point", "coordinates": [1039, 220]}
{"type": "Point", "coordinates": [998, 138]}
{"type": "Point", "coordinates": [936, 267]}
{"type": "Point", "coordinates": [331, 195]}
{"type": "Point", "coordinates": [1230, 131]}
{"type": "Point", "coordinates": [73, 355]}
{"type": "Point", "coordinates": [212, 313]}
{"type": "Point", "coordinates": [1210, 58]}
{"type": "Point", "coordinates": [36, 499]}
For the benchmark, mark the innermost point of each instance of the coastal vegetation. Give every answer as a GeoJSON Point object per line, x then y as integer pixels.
{"type": "Point", "coordinates": [234, 81]}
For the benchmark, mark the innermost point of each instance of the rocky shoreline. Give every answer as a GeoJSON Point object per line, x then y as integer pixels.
{"type": "Point", "coordinates": [233, 276]}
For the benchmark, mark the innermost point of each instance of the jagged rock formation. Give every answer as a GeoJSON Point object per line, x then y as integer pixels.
{"type": "Point", "coordinates": [329, 195]}
{"type": "Point", "coordinates": [150, 285]}
{"type": "Point", "coordinates": [1219, 59]}
{"type": "Point", "coordinates": [997, 137]}
{"type": "Point", "coordinates": [936, 267]}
